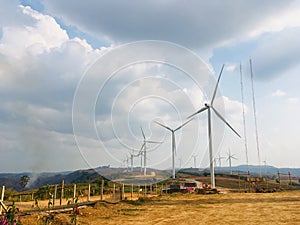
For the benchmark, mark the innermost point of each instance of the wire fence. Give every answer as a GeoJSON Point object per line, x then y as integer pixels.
{"type": "Point", "coordinates": [65, 194]}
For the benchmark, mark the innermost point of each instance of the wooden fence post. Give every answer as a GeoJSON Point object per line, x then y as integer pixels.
{"type": "Point", "coordinates": [89, 193]}
{"type": "Point", "coordinates": [62, 192]}
{"type": "Point", "coordinates": [131, 191]}
{"type": "Point", "coordinates": [290, 179]}
{"type": "Point", "coordinates": [123, 191]}
{"type": "Point", "coordinates": [55, 194]}
{"type": "Point", "coordinates": [74, 193]}
{"type": "Point", "coordinates": [102, 187]}
{"type": "Point", "coordinates": [2, 198]}
{"type": "Point", "coordinates": [114, 191]}
{"type": "Point", "coordinates": [249, 182]}
{"type": "Point", "coordinates": [278, 178]}
{"type": "Point", "coordinates": [139, 188]}
{"type": "Point", "coordinates": [239, 182]}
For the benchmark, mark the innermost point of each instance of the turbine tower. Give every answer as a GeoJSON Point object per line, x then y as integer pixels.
{"type": "Point", "coordinates": [173, 142]}
{"type": "Point", "coordinates": [209, 107]}
{"type": "Point", "coordinates": [144, 150]}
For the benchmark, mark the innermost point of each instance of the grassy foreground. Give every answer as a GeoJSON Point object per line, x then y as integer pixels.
{"type": "Point", "coordinates": [231, 208]}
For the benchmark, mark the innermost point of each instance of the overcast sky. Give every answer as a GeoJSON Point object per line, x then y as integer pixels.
{"type": "Point", "coordinates": [56, 53]}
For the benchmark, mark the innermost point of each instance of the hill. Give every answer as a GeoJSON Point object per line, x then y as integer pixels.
{"type": "Point", "coordinates": [12, 180]}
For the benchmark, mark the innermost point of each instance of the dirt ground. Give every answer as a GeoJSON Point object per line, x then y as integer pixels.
{"type": "Point", "coordinates": [231, 208]}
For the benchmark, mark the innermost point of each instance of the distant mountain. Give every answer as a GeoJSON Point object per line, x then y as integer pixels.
{"type": "Point", "coordinates": [265, 170]}
{"type": "Point", "coordinates": [12, 180]}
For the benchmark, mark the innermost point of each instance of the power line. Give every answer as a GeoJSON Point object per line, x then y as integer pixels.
{"type": "Point", "coordinates": [244, 120]}
{"type": "Point", "coordinates": [255, 120]}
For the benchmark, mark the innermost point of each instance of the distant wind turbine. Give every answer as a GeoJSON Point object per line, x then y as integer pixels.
{"type": "Point", "coordinates": [180, 160]}
{"type": "Point", "coordinates": [265, 163]}
{"type": "Point", "coordinates": [132, 155]}
{"type": "Point", "coordinates": [220, 159]}
{"type": "Point", "coordinates": [173, 142]}
{"type": "Point", "coordinates": [229, 160]}
{"type": "Point", "coordinates": [144, 150]}
{"type": "Point", "coordinates": [195, 160]}
{"type": "Point", "coordinates": [209, 107]}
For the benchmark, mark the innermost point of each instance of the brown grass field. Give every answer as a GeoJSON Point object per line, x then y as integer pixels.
{"type": "Point", "coordinates": [231, 208]}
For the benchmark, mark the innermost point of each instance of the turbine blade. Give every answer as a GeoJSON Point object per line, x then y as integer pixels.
{"type": "Point", "coordinates": [215, 91]}
{"type": "Point", "coordinates": [218, 114]}
{"type": "Point", "coordinates": [234, 157]}
{"type": "Point", "coordinates": [199, 111]}
{"type": "Point", "coordinates": [183, 124]}
{"type": "Point", "coordinates": [142, 147]}
{"type": "Point", "coordinates": [154, 142]}
{"type": "Point", "coordinates": [163, 125]}
{"type": "Point", "coordinates": [143, 133]}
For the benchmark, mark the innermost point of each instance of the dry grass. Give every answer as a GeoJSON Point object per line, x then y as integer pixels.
{"type": "Point", "coordinates": [234, 208]}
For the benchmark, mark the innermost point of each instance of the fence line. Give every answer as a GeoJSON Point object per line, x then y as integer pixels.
{"type": "Point", "coordinates": [63, 194]}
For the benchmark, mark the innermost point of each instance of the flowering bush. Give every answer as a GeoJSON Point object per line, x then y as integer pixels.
{"type": "Point", "coordinates": [11, 217]}
{"type": "Point", "coordinates": [75, 213]}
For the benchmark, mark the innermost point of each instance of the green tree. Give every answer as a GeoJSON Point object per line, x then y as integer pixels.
{"type": "Point", "coordinates": [24, 181]}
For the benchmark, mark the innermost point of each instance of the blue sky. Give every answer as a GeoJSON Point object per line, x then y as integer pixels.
{"type": "Point", "coordinates": [47, 47]}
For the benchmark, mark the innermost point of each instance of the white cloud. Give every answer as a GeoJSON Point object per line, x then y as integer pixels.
{"type": "Point", "coordinates": [293, 100]}
{"type": "Point", "coordinates": [43, 35]}
{"type": "Point", "coordinates": [277, 53]}
{"type": "Point", "coordinates": [40, 68]}
{"type": "Point", "coordinates": [231, 67]}
{"type": "Point", "coordinates": [198, 24]}
{"type": "Point", "coordinates": [278, 93]}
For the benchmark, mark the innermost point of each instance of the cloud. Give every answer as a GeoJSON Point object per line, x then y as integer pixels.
{"type": "Point", "coordinates": [276, 54]}
{"type": "Point", "coordinates": [40, 69]}
{"type": "Point", "coordinates": [278, 93]}
{"type": "Point", "coordinates": [293, 100]}
{"type": "Point", "coordinates": [198, 24]}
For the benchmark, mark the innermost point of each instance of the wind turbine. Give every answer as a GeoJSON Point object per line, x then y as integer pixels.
{"type": "Point", "coordinates": [215, 162]}
{"type": "Point", "coordinates": [144, 150]}
{"type": "Point", "coordinates": [195, 161]}
{"type": "Point", "coordinates": [132, 155]}
{"type": "Point", "coordinates": [229, 159]}
{"type": "Point", "coordinates": [173, 142]}
{"type": "Point", "coordinates": [180, 160]}
{"type": "Point", "coordinates": [209, 107]}
{"type": "Point", "coordinates": [265, 164]}
{"type": "Point", "coordinates": [220, 158]}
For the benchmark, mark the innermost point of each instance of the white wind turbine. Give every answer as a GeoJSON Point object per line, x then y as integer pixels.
{"type": "Point", "coordinates": [220, 160]}
{"type": "Point", "coordinates": [229, 159]}
{"type": "Point", "coordinates": [209, 107]}
{"type": "Point", "coordinates": [173, 142]}
{"type": "Point", "coordinates": [132, 155]}
{"type": "Point", "coordinates": [143, 151]}
{"type": "Point", "coordinates": [195, 160]}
